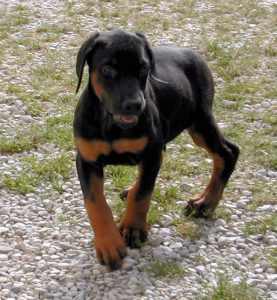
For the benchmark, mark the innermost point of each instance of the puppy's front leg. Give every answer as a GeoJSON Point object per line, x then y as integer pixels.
{"type": "Point", "coordinates": [133, 225]}
{"type": "Point", "coordinates": [108, 243]}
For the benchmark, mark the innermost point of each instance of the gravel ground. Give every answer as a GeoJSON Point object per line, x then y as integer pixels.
{"type": "Point", "coordinates": [42, 257]}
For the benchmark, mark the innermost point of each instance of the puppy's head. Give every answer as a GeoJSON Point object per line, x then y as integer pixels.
{"type": "Point", "coordinates": [119, 66]}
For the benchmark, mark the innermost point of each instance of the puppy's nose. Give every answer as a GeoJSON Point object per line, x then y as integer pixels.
{"type": "Point", "coordinates": [133, 107]}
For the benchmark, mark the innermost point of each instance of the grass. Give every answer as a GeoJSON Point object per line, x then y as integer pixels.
{"type": "Point", "coordinates": [188, 228]}
{"type": "Point", "coordinates": [272, 258]}
{"type": "Point", "coordinates": [57, 131]}
{"type": "Point", "coordinates": [165, 268]}
{"type": "Point", "coordinates": [15, 145]}
{"type": "Point", "coordinates": [35, 171]}
{"type": "Point", "coordinates": [226, 290]}
{"type": "Point", "coordinates": [22, 184]}
{"type": "Point", "coordinates": [262, 225]}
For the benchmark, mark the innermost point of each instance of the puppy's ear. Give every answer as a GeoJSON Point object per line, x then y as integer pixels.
{"type": "Point", "coordinates": [86, 48]}
{"type": "Point", "coordinates": [151, 58]}
{"type": "Point", "coordinates": [148, 51]}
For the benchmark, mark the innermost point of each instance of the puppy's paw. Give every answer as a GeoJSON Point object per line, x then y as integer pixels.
{"type": "Point", "coordinates": [110, 250]}
{"type": "Point", "coordinates": [133, 234]}
{"type": "Point", "coordinates": [201, 206]}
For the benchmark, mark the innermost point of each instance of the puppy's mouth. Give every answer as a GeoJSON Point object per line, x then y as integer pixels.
{"type": "Point", "coordinates": [126, 121]}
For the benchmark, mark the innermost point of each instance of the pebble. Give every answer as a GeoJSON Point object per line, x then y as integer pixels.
{"type": "Point", "coordinates": [52, 286]}
{"type": "Point", "coordinates": [3, 257]}
{"type": "Point", "coordinates": [5, 249]}
{"type": "Point", "coordinates": [201, 270]}
{"type": "Point", "coordinates": [241, 204]}
{"type": "Point", "coordinates": [17, 286]}
{"type": "Point", "coordinates": [65, 246]}
{"type": "Point", "coordinates": [3, 230]}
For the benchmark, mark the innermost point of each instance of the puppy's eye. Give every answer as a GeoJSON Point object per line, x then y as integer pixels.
{"type": "Point", "coordinates": [109, 71]}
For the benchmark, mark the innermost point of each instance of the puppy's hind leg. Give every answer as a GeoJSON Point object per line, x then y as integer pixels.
{"type": "Point", "coordinates": [224, 154]}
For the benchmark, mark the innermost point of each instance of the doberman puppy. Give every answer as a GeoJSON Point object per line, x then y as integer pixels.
{"type": "Point", "coordinates": [136, 101]}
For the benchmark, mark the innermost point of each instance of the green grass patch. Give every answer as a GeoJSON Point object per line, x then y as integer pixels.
{"type": "Point", "coordinates": [155, 213]}
{"type": "Point", "coordinates": [222, 212]}
{"type": "Point", "coordinates": [263, 193]}
{"type": "Point", "coordinates": [226, 290]}
{"type": "Point", "coordinates": [166, 268]}
{"type": "Point", "coordinates": [167, 197]}
{"type": "Point", "coordinates": [188, 228]}
{"type": "Point", "coordinates": [122, 176]}
{"type": "Point", "coordinates": [57, 131]}
{"type": "Point", "coordinates": [118, 206]}
{"type": "Point", "coordinates": [35, 171]}
{"type": "Point", "coordinates": [16, 145]}
{"type": "Point", "coordinates": [51, 168]}
{"type": "Point", "coordinates": [22, 184]}
{"type": "Point", "coordinates": [272, 258]}
{"type": "Point", "coordinates": [262, 225]}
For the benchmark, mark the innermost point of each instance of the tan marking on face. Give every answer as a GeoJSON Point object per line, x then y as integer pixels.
{"type": "Point", "coordinates": [98, 89]}
{"type": "Point", "coordinates": [129, 145]}
{"type": "Point", "coordinates": [91, 150]}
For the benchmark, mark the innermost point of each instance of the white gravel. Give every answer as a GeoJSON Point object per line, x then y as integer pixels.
{"type": "Point", "coordinates": [45, 237]}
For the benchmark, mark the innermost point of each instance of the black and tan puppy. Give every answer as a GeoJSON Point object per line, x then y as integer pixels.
{"type": "Point", "coordinates": [138, 99]}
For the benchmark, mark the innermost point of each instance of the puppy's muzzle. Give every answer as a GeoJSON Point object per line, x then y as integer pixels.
{"type": "Point", "coordinates": [131, 109]}
{"type": "Point", "coordinates": [133, 106]}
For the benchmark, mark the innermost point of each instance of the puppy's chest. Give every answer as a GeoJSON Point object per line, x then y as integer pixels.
{"type": "Point", "coordinates": [119, 151]}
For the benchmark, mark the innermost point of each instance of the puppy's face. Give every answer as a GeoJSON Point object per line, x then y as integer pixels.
{"type": "Point", "coordinates": [119, 66]}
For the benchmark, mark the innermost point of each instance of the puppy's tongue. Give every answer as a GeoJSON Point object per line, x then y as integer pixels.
{"type": "Point", "coordinates": [128, 119]}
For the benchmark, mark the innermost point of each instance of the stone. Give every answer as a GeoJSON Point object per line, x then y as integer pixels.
{"type": "Point", "coordinates": [65, 246]}
{"type": "Point", "coordinates": [5, 249]}
{"type": "Point", "coordinates": [4, 230]}
{"type": "Point", "coordinates": [52, 285]}
{"type": "Point", "coordinates": [17, 286]}
{"type": "Point", "coordinates": [4, 257]}
{"type": "Point", "coordinates": [241, 204]}
{"type": "Point", "coordinates": [201, 270]}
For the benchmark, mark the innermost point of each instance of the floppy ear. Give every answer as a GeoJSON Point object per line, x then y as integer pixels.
{"type": "Point", "coordinates": [151, 58]}
{"type": "Point", "coordinates": [148, 51]}
{"type": "Point", "coordinates": [86, 48]}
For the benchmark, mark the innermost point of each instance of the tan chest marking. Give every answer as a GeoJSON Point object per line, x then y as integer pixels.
{"type": "Point", "coordinates": [129, 145]}
{"type": "Point", "coordinates": [91, 150]}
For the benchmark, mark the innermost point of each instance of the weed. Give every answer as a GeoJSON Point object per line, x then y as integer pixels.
{"type": "Point", "coordinates": [155, 213]}
{"type": "Point", "coordinates": [121, 176]}
{"type": "Point", "coordinates": [166, 198]}
{"type": "Point", "coordinates": [226, 290]}
{"type": "Point", "coordinates": [118, 207]}
{"type": "Point", "coordinates": [23, 184]}
{"type": "Point", "coordinates": [15, 145]}
{"type": "Point", "coordinates": [166, 268]}
{"type": "Point", "coordinates": [222, 213]}
{"type": "Point", "coordinates": [188, 228]}
{"type": "Point", "coordinates": [272, 258]}
{"type": "Point", "coordinates": [36, 171]}
{"type": "Point", "coordinates": [262, 225]}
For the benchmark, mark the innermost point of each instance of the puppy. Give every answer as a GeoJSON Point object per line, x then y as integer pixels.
{"type": "Point", "coordinates": [137, 100]}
